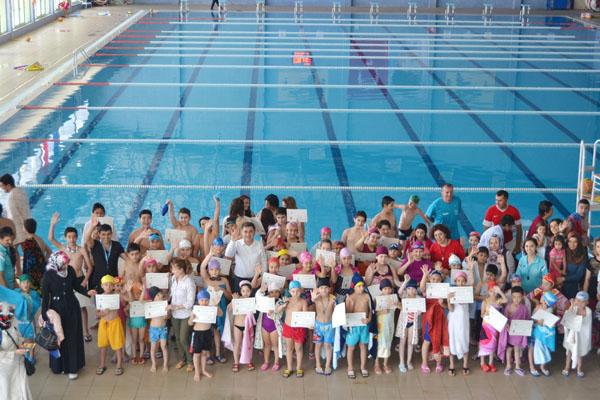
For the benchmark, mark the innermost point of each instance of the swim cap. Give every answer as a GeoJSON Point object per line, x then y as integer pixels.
{"type": "Point", "coordinates": [418, 245]}
{"type": "Point", "coordinates": [412, 284]}
{"type": "Point", "coordinates": [322, 282]}
{"type": "Point", "coordinates": [476, 234]}
{"type": "Point", "coordinates": [414, 198]}
{"type": "Point", "coordinates": [294, 285]}
{"type": "Point", "coordinates": [107, 279]}
{"type": "Point", "coordinates": [25, 277]}
{"type": "Point", "coordinates": [345, 252]}
{"type": "Point", "coordinates": [549, 278]}
{"type": "Point", "coordinates": [394, 246]}
{"type": "Point", "coordinates": [357, 280]}
{"type": "Point", "coordinates": [218, 242]}
{"type": "Point", "coordinates": [149, 262]}
{"type": "Point", "coordinates": [153, 291]}
{"type": "Point", "coordinates": [154, 236]}
{"type": "Point", "coordinates": [516, 277]}
{"type": "Point", "coordinates": [325, 229]}
{"type": "Point", "coordinates": [282, 252]}
{"type": "Point", "coordinates": [305, 256]}
{"type": "Point", "coordinates": [373, 231]}
{"type": "Point", "coordinates": [185, 244]}
{"type": "Point", "coordinates": [385, 283]}
{"type": "Point", "coordinates": [583, 296]}
{"type": "Point", "coordinates": [213, 263]}
{"type": "Point", "coordinates": [550, 299]}
{"type": "Point", "coordinates": [460, 274]}
{"type": "Point", "coordinates": [203, 295]}
{"type": "Point", "coordinates": [245, 283]}
{"type": "Point", "coordinates": [435, 272]}
{"type": "Point", "coordinates": [272, 287]}
{"type": "Point", "coordinates": [274, 260]}
{"type": "Point", "coordinates": [381, 250]}
{"type": "Point", "coordinates": [453, 260]}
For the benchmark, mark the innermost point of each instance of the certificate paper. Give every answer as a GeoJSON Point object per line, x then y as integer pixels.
{"type": "Point", "coordinates": [243, 306]}
{"type": "Point", "coordinates": [136, 309]}
{"type": "Point", "coordinates": [338, 318]}
{"type": "Point", "coordinates": [287, 270]}
{"type": "Point", "coordinates": [297, 215]}
{"type": "Point", "coordinates": [413, 305]}
{"type": "Point", "coordinates": [549, 319]}
{"type": "Point", "coordinates": [307, 281]}
{"type": "Point", "coordinates": [572, 321]}
{"type": "Point", "coordinates": [437, 290]}
{"type": "Point", "coordinates": [355, 319]}
{"type": "Point", "coordinates": [225, 265]}
{"type": "Point", "coordinates": [278, 280]}
{"type": "Point", "coordinates": [205, 314]}
{"type": "Point", "coordinates": [462, 294]}
{"type": "Point", "coordinates": [107, 301]}
{"type": "Point", "coordinates": [161, 256]}
{"type": "Point", "coordinates": [386, 302]}
{"type": "Point", "coordinates": [160, 280]}
{"type": "Point", "coordinates": [215, 295]}
{"type": "Point", "coordinates": [297, 247]}
{"type": "Point", "coordinates": [155, 309]}
{"type": "Point", "coordinates": [367, 257]}
{"type": "Point", "coordinates": [520, 327]}
{"type": "Point", "coordinates": [496, 319]}
{"type": "Point", "coordinates": [328, 257]}
{"type": "Point", "coordinates": [174, 236]}
{"type": "Point", "coordinates": [374, 290]}
{"type": "Point", "coordinates": [265, 304]}
{"type": "Point", "coordinates": [303, 319]}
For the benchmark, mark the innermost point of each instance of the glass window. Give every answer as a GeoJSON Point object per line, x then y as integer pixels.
{"type": "Point", "coordinates": [21, 12]}
{"type": "Point", "coordinates": [3, 17]}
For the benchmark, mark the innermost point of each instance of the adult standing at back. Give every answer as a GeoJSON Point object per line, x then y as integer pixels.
{"type": "Point", "coordinates": [494, 215]}
{"type": "Point", "coordinates": [17, 206]}
{"type": "Point", "coordinates": [104, 253]}
{"type": "Point", "coordinates": [247, 253]}
{"type": "Point", "coordinates": [445, 210]}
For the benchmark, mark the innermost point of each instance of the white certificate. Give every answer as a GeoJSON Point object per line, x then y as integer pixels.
{"type": "Point", "coordinates": [258, 226]}
{"type": "Point", "coordinates": [205, 314]}
{"type": "Point", "coordinates": [338, 318]}
{"type": "Point", "coordinates": [374, 290]}
{"type": "Point", "coordinates": [265, 303]}
{"type": "Point", "coordinates": [161, 256]}
{"type": "Point", "coordinates": [496, 319]}
{"type": "Point", "coordinates": [287, 270]}
{"type": "Point", "coordinates": [107, 221]}
{"type": "Point", "coordinates": [107, 301]}
{"type": "Point", "coordinates": [328, 257]}
{"type": "Point", "coordinates": [437, 290]}
{"type": "Point", "coordinates": [174, 236]}
{"type": "Point", "coordinates": [307, 281]}
{"type": "Point", "coordinates": [243, 306]}
{"type": "Point", "coordinates": [303, 319]}
{"type": "Point", "coordinates": [462, 294]}
{"type": "Point", "coordinates": [215, 295]}
{"type": "Point", "coordinates": [297, 247]}
{"type": "Point", "coordinates": [155, 309]}
{"type": "Point", "coordinates": [549, 319]}
{"type": "Point", "coordinates": [416, 304]}
{"type": "Point", "coordinates": [297, 215]}
{"type": "Point", "coordinates": [136, 309]}
{"type": "Point", "coordinates": [520, 327]}
{"type": "Point", "coordinates": [387, 302]}
{"type": "Point", "coordinates": [158, 279]}
{"type": "Point", "coordinates": [387, 241]}
{"type": "Point", "coordinates": [355, 319]}
{"type": "Point", "coordinates": [367, 257]}
{"type": "Point", "coordinates": [572, 321]}
{"type": "Point", "coordinates": [225, 265]}
{"type": "Point", "coordinates": [277, 279]}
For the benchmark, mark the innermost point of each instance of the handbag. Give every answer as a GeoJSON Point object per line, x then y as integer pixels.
{"type": "Point", "coordinates": [46, 338]}
{"type": "Point", "coordinates": [29, 365]}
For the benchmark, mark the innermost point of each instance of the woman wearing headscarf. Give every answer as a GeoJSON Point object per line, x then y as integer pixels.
{"type": "Point", "coordinates": [57, 294]}
{"type": "Point", "coordinates": [13, 377]}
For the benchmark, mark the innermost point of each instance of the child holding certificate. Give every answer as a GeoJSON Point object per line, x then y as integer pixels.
{"type": "Point", "coordinates": [435, 324]}
{"type": "Point", "coordinates": [385, 329]}
{"type": "Point", "coordinates": [359, 301]}
{"type": "Point", "coordinates": [578, 343]}
{"type": "Point", "coordinates": [458, 323]}
{"type": "Point", "coordinates": [509, 344]}
{"type": "Point", "coordinates": [201, 341]}
{"type": "Point", "coordinates": [158, 331]}
{"type": "Point", "coordinates": [488, 338]}
{"type": "Point", "coordinates": [241, 327]}
{"type": "Point", "coordinates": [294, 336]}
{"type": "Point", "coordinates": [543, 338]}
{"type": "Point", "coordinates": [307, 268]}
{"type": "Point", "coordinates": [408, 325]}
{"type": "Point", "coordinates": [270, 327]}
{"type": "Point", "coordinates": [110, 330]}
{"type": "Point", "coordinates": [323, 333]}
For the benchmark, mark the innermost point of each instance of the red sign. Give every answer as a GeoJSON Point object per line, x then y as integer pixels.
{"type": "Point", "coordinates": [302, 57]}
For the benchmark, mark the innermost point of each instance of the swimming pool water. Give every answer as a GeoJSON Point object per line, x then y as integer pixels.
{"type": "Point", "coordinates": [197, 106]}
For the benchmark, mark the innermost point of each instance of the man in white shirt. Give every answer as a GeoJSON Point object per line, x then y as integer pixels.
{"type": "Point", "coordinates": [17, 206]}
{"type": "Point", "coordinates": [247, 254]}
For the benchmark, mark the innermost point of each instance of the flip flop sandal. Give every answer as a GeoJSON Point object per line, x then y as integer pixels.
{"type": "Point", "coordinates": [100, 370]}
{"type": "Point", "coordinates": [364, 373]}
{"type": "Point", "coordinates": [275, 367]}
{"type": "Point", "coordinates": [451, 371]}
{"type": "Point", "coordinates": [519, 372]}
{"type": "Point", "coordinates": [439, 368]}
{"type": "Point", "coordinates": [425, 369]}
{"type": "Point", "coordinates": [190, 368]}
{"type": "Point", "coordinates": [387, 370]}
{"type": "Point", "coordinates": [210, 361]}
{"type": "Point", "coordinates": [377, 371]}
{"type": "Point", "coordinates": [235, 368]}
{"type": "Point", "coordinates": [221, 359]}
{"type": "Point", "coordinates": [119, 371]}
{"type": "Point", "coordinates": [87, 338]}
{"type": "Point", "coordinates": [319, 371]}
{"type": "Point", "coordinates": [250, 367]}
{"type": "Point", "coordinates": [466, 371]}
{"type": "Point", "coordinates": [565, 372]}
{"type": "Point", "coordinates": [327, 372]}
{"type": "Point", "coordinates": [134, 361]}
{"type": "Point", "coordinates": [299, 373]}
{"type": "Point", "coordinates": [351, 374]}
{"type": "Point", "coordinates": [286, 373]}
{"type": "Point", "coordinates": [180, 365]}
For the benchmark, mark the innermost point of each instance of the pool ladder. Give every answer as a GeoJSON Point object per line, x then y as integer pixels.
{"type": "Point", "coordinates": [184, 6]}
{"type": "Point", "coordinates": [411, 12]}
{"type": "Point", "coordinates": [80, 56]}
{"type": "Point", "coordinates": [524, 14]}
{"type": "Point", "coordinates": [588, 182]}
{"type": "Point", "coordinates": [449, 12]}
{"type": "Point", "coordinates": [336, 12]}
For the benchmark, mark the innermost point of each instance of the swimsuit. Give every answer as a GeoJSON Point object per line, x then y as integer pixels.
{"type": "Point", "coordinates": [323, 333]}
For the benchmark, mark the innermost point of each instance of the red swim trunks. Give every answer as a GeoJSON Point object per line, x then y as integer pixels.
{"type": "Point", "coordinates": [298, 335]}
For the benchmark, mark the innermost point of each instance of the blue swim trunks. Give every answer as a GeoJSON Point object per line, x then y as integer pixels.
{"type": "Point", "coordinates": [323, 333]}
{"type": "Point", "coordinates": [158, 333]}
{"type": "Point", "coordinates": [357, 334]}
{"type": "Point", "coordinates": [137, 322]}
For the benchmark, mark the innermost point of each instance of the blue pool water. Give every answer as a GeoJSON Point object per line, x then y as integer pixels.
{"type": "Point", "coordinates": [190, 108]}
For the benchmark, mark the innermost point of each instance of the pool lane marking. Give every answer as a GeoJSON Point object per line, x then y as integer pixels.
{"type": "Point", "coordinates": [175, 119]}
{"type": "Point", "coordinates": [246, 178]}
{"type": "Point", "coordinates": [330, 86]}
{"type": "Point", "coordinates": [410, 131]}
{"type": "Point", "coordinates": [295, 142]}
{"type": "Point", "coordinates": [310, 110]}
{"type": "Point", "coordinates": [347, 57]}
{"type": "Point", "coordinates": [537, 182]}
{"type": "Point", "coordinates": [336, 153]}
{"type": "Point", "coordinates": [358, 188]}
{"type": "Point", "coordinates": [346, 68]}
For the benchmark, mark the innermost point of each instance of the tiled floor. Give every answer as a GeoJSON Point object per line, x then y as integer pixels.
{"type": "Point", "coordinates": [139, 383]}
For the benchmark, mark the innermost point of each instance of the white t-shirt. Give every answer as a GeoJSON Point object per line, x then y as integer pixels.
{"type": "Point", "coordinates": [18, 212]}
{"type": "Point", "coordinates": [246, 257]}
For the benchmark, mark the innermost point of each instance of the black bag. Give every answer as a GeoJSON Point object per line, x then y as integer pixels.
{"type": "Point", "coordinates": [47, 339]}
{"type": "Point", "coordinates": [29, 365]}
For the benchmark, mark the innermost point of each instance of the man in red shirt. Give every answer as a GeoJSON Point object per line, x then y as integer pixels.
{"type": "Point", "coordinates": [494, 214]}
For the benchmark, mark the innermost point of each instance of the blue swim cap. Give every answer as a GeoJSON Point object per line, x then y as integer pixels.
{"type": "Point", "coordinates": [550, 299]}
{"type": "Point", "coordinates": [218, 242]}
{"type": "Point", "coordinates": [295, 285]}
{"type": "Point", "coordinates": [203, 295]}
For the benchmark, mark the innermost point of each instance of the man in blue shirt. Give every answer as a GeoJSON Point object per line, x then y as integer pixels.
{"type": "Point", "coordinates": [7, 269]}
{"type": "Point", "coordinates": [445, 210]}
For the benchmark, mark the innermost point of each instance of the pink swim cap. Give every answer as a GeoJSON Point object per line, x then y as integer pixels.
{"type": "Point", "coordinates": [345, 252]}
{"type": "Point", "coordinates": [305, 256]}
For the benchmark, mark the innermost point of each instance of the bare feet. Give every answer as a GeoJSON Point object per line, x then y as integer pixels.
{"type": "Point", "coordinates": [196, 377]}
{"type": "Point", "coordinates": [153, 368]}
{"type": "Point", "coordinates": [165, 369]}
{"type": "Point", "coordinates": [206, 374]}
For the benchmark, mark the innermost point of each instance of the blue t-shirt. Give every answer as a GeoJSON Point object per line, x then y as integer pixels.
{"type": "Point", "coordinates": [440, 212]}
{"type": "Point", "coordinates": [6, 267]}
